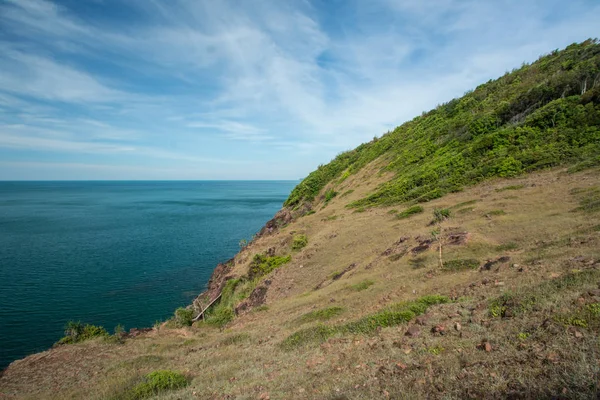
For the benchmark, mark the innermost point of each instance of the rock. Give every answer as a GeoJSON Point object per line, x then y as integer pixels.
{"type": "Point", "coordinates": [554, 275]}
{"type": "Point", "coordinates": [457, 326]}
{"type": "Point", "coordinates": [413, 331]}
{"type": "Point", "coordinates": [594, 292]}
{"type": "Point", "coordinates": [578, 334]}
{"type": "Point", "coordinates": [438, 329]}
{"type": "Point", "coordinates": [401, 366]}
{"type": "Point", "coordinates": [485, 345]}
{"type": "Point", "coordinates": [421, 320]}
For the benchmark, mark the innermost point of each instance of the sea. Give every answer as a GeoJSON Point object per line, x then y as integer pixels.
{"type": "Point", "coordinates": [115, 252]}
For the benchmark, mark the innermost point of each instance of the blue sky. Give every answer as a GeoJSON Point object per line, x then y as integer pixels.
{"type": "Point", "coordinates": [246, 89]}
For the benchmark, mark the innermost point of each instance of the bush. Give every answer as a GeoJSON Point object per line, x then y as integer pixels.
{"type": "Point", "coordinates": [157, 382]}
{"type": "Point", "coordinates": [329, 195]}
{"type": "Point", "coordinates": [262, 264]}
{"type": "Point", "coordinates": [76, 332]}
{"type": "Point", "coordinates": [320, 315]}
{"type": "Point", "coordinates": [299, 242]}
{"type": "Point", "coordinates": [184, 316]}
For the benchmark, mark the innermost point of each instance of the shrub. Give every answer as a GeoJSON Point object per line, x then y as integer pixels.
{"type": "Point", "coordinates": [262, 264]}
{"type": "Point", "coordinates": [76, 332]}
{"type": "Point", "coordinates": [329, 195]}
{"type": "Point", "coordinates": [157, 382]}
{"type": "Point", "coordinates": [410, 211]}
{"type": "Point", "coordinates": [299, 242]}
{"type": "Point", "coordinates": [184, 316]}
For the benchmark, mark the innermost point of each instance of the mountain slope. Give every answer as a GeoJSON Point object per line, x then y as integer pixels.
{"type": "Point", "coordinates": [540, 115]}
{"type": "Point", "coordinates": [416, 266]}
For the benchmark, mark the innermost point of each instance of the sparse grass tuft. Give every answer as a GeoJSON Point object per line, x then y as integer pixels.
{"type": "Point", "coordinates": [329, 195]}
{"type": "Point", "coordinates": [461, 264]}
{"type": "Point", "coordinates": [362, 285]}
{"type": "Point", "coordinates": [463, 204]}
{"type": "Point", "coordinates": [320, 315]}
{"type": "Point", "coordinates": [156, 382]}
{"type": "Point", "coordinates": [589, 199]}
{"type": "Point", "coordinates": [235, 339]}
{"type": "Point", "coordinates": [440, 214]}
{"type": "Point", "coordinates": [410, 211]}
{"type": "Point", "coordinates": [507, 246]}
{"type": "Point", "coordinates": [496, 212]}
{"type": "Point", "coordinates": [347, 193]}
{"type": "Point", "coordinates": [511, 187]}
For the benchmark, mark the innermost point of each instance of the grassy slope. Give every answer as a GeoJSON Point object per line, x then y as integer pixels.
{"type": "Point", "coordinates": [535, 117]}
{"type": "Point", "coordinates": [535, 310]}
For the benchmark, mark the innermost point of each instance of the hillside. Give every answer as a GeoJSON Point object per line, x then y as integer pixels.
{"type": "Point", "coordinates": [454, 257]}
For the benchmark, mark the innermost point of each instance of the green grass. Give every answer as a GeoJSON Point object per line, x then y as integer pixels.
{"type": "Point", "coordinates": [363, 285]}
{"type": "Point", "coordinates": [409, 212]}
{"type": "Point", "coordinates": [347, 193]}
{"type": "Point", "coordinates": [155, 383]}
{"type": "Point", "coordinates": [299, 242]}
{"type": "Point", "coordinates": [235, 339]}
{"type": "Point", "coordinates": [391, 316]}
{"type": "Point", "coordinates": [461, 264]}
{"type": "Point", "coordinates": [320, 315]}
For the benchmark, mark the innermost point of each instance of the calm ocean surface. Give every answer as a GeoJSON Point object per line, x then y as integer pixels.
{"type": "Point", "coordinates": [115, 252]}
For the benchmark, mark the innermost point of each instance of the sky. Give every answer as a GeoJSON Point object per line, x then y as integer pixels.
{"type": "Point", "coordinates": [244, 89]}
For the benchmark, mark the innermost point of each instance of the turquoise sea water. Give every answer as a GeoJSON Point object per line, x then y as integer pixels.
{"type": "Point", "coordinates": [113, 253]}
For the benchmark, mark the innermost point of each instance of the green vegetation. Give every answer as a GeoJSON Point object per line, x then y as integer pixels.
{"type": "Point", "coordinates": [299, 242]}
{"type": "Point", "coordinates": [461, 264]}
{"type": "Point", "coordinates": [391, 316]}
{"type": "Point", "coordinates": [329, 195]}
{"type": "Point", "coordinates": [463, 204]}
{"type": "Point", "coordinates": [496, 212]}
{"type": "Point", "coordinates": [507, 246]}
{"type": "Point", "coordinates": [589, 199]}
{"type": "Point", "coordinates": [76, 332]}
{"type": "Point", "coordinates": [514, 304]}
{"type": "Point", "coordinates": [535, 117]}
{"type": "Point", "coordinates": [440, 214]}
{"type": "Point", "coordinates": [183, 317]}
{"type": "Point", "coordinates": [235, 339]}
{"type": "Point", "coordinates": [347, 192]}
{"type": "Point", "coordinates": [410, 211]}
{"type": "Point", "coordinates": [262, 264]}
{"type": "Point", "coordinates": [367, 283]}
{"type": "Point", "coordinates": [156, 382]}
{"type": "Point", "coordinates": [320, 315]}
{"type": "Point", "coordinates": [511, 187]}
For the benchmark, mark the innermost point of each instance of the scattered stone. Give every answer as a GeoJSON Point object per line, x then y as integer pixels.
{"type": "Point", "coordinates": [578, 334]}
{"type": "Point", "coordinates": [438, 329]}
{"type": "Point", "coordinates": [457, 326]}
{"type": "Point", "coordinates": [485, 345]}
{"type": "Point", "coordinates": [490, 263]}
{"type": "Point", "coordinates": [581, 301]}
{"type": "Point", "coordinates": [421, 320]}
{"type": "Point", "coordinates": [554, 275]}
{"type": "Point", "coordinates": [401, 366]}
{"type": "Point", "coordinates": [499, 283]}
{"type": "Point", "coordinates": [413, 331]}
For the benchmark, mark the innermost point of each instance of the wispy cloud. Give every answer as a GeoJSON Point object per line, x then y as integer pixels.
{"type": "Point", "coordinates": [190, 86]}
